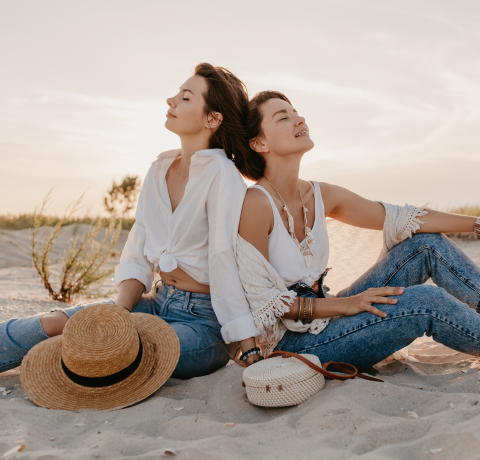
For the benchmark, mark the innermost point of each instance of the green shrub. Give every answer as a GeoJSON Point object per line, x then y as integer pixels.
{"type": "Point", "coordinates": [122, 197]}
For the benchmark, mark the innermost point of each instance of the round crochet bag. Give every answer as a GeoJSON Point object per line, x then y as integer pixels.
{"type": "Point", "coordinates": [287, 379]}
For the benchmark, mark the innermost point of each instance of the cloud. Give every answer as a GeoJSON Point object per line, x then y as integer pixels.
{"type": "Point", "coordinates": [324, 88]}
{"type": "Point", "coordinates": [59, 117]}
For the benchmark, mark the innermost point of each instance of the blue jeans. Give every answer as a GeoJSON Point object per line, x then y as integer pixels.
{"type": "Point", "coordinates": [448, 312]}
{"type": "Point", "coordinates": [202, 350]}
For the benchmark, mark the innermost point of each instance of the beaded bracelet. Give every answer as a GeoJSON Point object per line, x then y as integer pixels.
{"type": "Point", "coordinates": [252, 351]}
{"type": "Point", "coordinates": [476, 227]}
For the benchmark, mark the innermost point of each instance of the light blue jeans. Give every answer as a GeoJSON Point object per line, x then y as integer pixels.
{"type": "Point", "coordinates": [202, 350]}
{"type": "Point", "coordinates": [448, 312]}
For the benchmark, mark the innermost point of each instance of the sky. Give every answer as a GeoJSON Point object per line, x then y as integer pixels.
{"type": "Point", "coordinates": [390, 90]}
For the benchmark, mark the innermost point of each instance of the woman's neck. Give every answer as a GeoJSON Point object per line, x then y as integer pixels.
{"type": "Point", "coordinates": [189, 146]}
{"type": "Point", "coordinates": [283, 174]}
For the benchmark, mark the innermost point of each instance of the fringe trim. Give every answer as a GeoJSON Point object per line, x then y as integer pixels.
{"type": "Point", "coordinates": [412, 224]}
{"type": "Point", "coordinates": [266, 319]}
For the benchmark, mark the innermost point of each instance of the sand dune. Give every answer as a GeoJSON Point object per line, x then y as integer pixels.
{"type": "Point", "coordinates": [428, 409]}
{"type": "Point", "coordinates": [15, 247]}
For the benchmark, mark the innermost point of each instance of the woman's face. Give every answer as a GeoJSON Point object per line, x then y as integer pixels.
{"type": "Point", "coordinates": [284, 132]}
{"type": "Point", "coordinates": [185, 115]}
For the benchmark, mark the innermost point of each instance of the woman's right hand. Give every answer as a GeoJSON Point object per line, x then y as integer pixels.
{"type": "Point", "coordinates": [363, 301]}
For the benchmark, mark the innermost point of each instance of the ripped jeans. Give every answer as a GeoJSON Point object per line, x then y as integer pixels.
{"type": "Point", "coordinates": [448, 312]}
{"type": "Point", "coordinates": [202, 349]}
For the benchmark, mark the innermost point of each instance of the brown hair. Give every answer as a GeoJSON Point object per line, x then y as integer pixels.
{"type": "Point", "coordinates": [228, 95]}
{"type": "Point", "coordinates": [253, 166]}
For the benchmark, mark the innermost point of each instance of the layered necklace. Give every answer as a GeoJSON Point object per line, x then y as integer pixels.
{"type": "Point", "coordinates": [305, 250]}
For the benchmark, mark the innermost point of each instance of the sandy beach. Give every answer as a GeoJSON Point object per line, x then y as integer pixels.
{"type": "Point", "coordinates": [426, 409]}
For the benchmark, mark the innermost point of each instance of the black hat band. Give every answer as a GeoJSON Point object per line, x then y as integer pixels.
{"type": "Point", "coordinates": [107, 380]}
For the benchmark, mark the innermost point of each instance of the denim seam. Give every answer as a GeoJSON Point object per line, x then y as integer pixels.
{"type": "Point", "coordinates": [19, 361]}
{"type": "Point", "coordinates": [441, 259]}
{"type": "Point", "coordinates": [454, 272]}
{"type": "Point", "coordinates": [11, 339]}
{"type": "Point", "coordinates": [208, 318]}
{"type": "Point", "coordinates": [404, 262]}
{"type": "Point", "coordinates": [163, 308]}
{"type": "Point", "coordinates": [383, 320]}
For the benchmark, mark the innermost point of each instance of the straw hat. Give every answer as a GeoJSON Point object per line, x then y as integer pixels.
{"type": "Point", "coordinates": [106, 358]}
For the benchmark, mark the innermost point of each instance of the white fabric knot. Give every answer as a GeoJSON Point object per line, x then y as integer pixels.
{"type": "Point", "coordinates": [168, 263]}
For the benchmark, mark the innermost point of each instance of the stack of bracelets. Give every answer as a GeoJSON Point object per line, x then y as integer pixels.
{"type": "Point", "coordinates": [252, 351]}
{"type": "Point", "coordinates": [306, 309]}
{"type": "Point", "coordinates": [476, 227]}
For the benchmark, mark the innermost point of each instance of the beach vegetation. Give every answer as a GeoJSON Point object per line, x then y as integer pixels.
{"type": "Point", "coordinates": [467, 210]}
{"type": "Point", "coordinates": [84, 263]}
{"type": "Point", "coordinates": [121, 198]}
{"type": "Point", "coordinates": [25, 221]}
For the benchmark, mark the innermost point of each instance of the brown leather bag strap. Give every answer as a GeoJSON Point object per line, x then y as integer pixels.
{"type": "Point", "coordinates": [339, 366]}
{"type": "Point", "coordinates": [348, 369]}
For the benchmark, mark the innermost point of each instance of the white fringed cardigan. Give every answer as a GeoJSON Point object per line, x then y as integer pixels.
{"type": "Point", "coordinates": [268, 296]}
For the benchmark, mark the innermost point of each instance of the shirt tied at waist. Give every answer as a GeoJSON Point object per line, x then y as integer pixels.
{"type": "Point", "coordinates": [168, 263]}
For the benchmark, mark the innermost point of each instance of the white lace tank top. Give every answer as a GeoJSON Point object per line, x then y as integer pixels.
{"type": "Point", "coordinates": [284, 254]}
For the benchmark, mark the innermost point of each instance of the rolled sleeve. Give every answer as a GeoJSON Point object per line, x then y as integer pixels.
{"type": "Point", "coordinates": [239, 329]}
{"type": "Point", "coordinates": [133, 263]}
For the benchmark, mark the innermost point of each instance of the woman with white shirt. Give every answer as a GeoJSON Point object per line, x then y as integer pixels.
{"type": "Point", "coordinates": [283, 250]}
{"type": "Point", "coordinates": [185, 230]}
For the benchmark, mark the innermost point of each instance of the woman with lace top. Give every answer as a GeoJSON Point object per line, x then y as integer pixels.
{"type": "Point", "coordinates": [283, 250]}
{"type": "Point", "coordinates": [185, 230]}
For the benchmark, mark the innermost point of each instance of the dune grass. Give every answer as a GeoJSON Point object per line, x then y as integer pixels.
{"type": "Point", "coordinates": [466, 210]}
{"type": "Point", "coordinates": [23, 221]}
{"type": "Point", "coordinates": [469, 210]}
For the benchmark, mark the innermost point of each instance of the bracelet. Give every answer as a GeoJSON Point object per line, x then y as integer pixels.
{"type": "Point", "coordinates": [476, 227]}
{"type": "Point", "coordinates": [252, 351]}
{"type": "Point", "coordinates": [311, 309]}
{"type": "Point", "coordinates": [257, 360]}
{"type": "Point", "coordinates": [304, 310]}
{"type": "Point", "coordinates": [299, 309]}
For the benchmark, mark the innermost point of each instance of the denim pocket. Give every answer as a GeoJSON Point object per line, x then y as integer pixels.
{"type": "Point", "coordinates": [202, 309]}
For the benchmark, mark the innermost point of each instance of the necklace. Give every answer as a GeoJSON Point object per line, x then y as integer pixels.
{"type": "Point", "coordinates": [306, 251]}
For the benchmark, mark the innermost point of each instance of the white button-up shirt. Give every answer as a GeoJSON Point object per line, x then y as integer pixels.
{"type": "Point", "coordinates": [199, 237]}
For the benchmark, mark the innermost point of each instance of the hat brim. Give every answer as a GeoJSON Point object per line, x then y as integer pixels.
{"type": "Point", "coordinates": [47, 385]}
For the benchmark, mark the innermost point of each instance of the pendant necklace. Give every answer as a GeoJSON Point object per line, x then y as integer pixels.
{"type": "Point", "coordinates": [306, 251]}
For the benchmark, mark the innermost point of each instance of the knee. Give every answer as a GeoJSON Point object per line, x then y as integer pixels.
{"type": "Point", "coordinates": [432, 300]}
{"type": "Point", "coordinates": [426, 293]}
{"type": "Point", "coordinates": [53, 322]}
{"type": "Point", "coordinates": [428, 238]}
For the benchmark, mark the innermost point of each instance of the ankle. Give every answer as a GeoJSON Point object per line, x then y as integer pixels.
{"type": "Point", "coordinates": [53, 322]}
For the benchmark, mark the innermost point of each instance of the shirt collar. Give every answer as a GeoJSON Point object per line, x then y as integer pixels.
{"type": "Point", "coordinates": [207, 152]}
{"type": "Point", "coordinates": [169, 154]}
